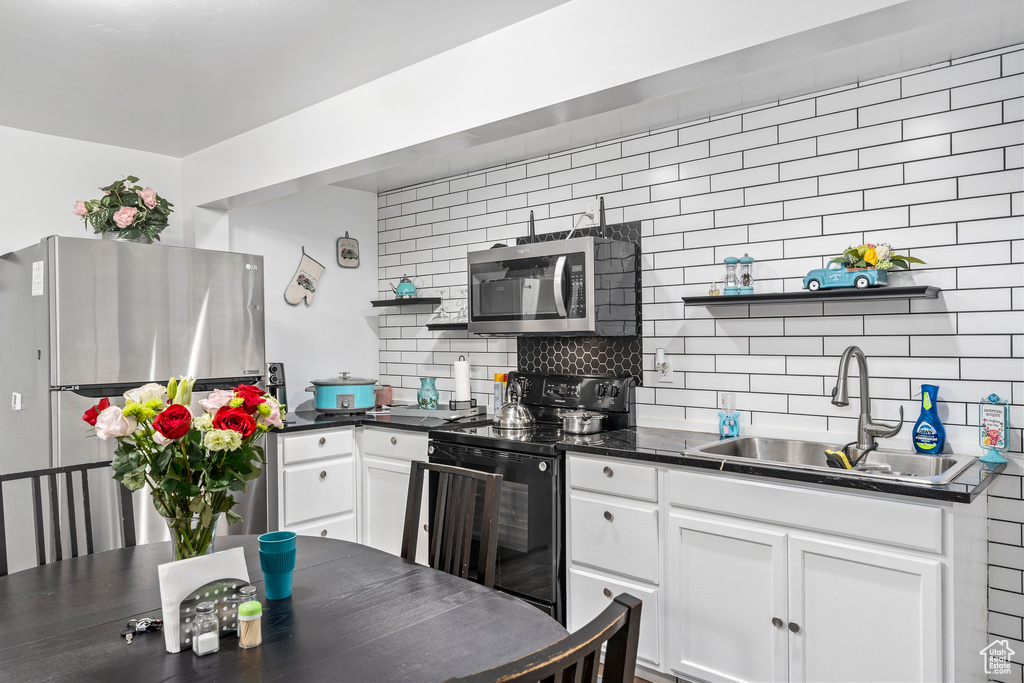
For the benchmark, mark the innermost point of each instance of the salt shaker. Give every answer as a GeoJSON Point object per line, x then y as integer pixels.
{"type": "Point", "coordinates": [206, 630]}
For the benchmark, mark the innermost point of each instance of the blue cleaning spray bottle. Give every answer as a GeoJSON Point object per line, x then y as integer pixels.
{"type": "Point", "coordinates": [929, 434]}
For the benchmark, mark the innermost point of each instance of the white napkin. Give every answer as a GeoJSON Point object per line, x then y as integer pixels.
{"type": "Point", "coordinates": [179, 581]}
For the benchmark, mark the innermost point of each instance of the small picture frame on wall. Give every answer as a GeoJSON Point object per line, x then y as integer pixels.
{"type": "Point", "coordinates": [348, 251]}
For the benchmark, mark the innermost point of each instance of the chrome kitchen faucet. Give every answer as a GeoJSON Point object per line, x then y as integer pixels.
{"type": "Point", "coordinates": [867, 430]}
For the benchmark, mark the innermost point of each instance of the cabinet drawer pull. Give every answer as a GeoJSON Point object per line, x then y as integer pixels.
{"type": "Point", "coordinates": [778, 623]}
{"type": "Point", "coordinates": [608, 471]}
{"type": "Point", "coordinates": [394, 441]}
{"type": "Point", "coordinates": [426, 528]}
{"type": "Point", "coordinates": [323, 475]}
{"type": "Point", "coordinates": [609, 516]}
{"type": "Point", "coordinates": [794, 627]}
{"type": "Point", "coordinates": [324, 532]}
{"type": "Point", "coordinates": [607, 593]}
{"type": "Point", "coordinates": [323, 440]}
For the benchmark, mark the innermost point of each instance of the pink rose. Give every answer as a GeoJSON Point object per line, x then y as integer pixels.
{"type": "Point", "coordinates": [148, 197]}
{"type": "Point", "coordinates": [112, 423]}
{"type": "Point", "coordinates": [217, 399]}
{"type": "Point", "coordinates": [124, 216]}
{"type": "Point", "coordinates": [274, 419]}
{"type": "Point", "coordinates": [80, 209]}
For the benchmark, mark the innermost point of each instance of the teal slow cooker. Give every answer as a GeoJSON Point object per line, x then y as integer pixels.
{"type": "Point", "coordinates": [344, 394]}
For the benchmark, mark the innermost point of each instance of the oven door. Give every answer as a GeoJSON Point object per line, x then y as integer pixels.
{"type": "Point", "coordinates": [530, 561]}
{"type": "Point", "coordinates": [531, 289]}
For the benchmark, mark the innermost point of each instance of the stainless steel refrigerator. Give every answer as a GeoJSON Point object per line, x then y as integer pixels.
{"type": "Point", "coordinates": [82, 319]}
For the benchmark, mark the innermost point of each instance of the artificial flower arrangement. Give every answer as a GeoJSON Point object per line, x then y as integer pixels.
{"type": "Point", "coordinates": [191, 463]}
{"type": "Point", "coordinates": [125, 207]}
{"type": "Point", "coordinates": [878, 256]}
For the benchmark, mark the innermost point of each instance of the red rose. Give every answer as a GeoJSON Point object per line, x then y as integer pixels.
{"type": "Point", "coordinates": [94, 412]}
{"type": "Point", "coordinates": [174, 422]}
{"type": "Point", "coordinates": [252, 395]}
{"type": "Point", "coordinates": [235, 419]}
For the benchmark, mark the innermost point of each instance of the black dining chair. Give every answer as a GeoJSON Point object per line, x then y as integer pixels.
{"type": "Point", "coordinates": [577, 656]}
{"type": "Point", "coordinates": [56, 523]}
{"type": "Point", "coordinates": [453, 521]}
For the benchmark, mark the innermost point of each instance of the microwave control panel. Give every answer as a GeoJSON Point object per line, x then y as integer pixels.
{"type": "Point", "coordinates": [577, 276]}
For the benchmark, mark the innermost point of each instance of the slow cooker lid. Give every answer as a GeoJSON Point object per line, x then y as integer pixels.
{"type": "Point", "coordinates": [345, 380]}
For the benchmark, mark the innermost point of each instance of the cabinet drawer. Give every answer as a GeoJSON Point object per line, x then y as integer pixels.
{"type": "Point", "coordinates": [590, 594]}
{"type": "Point", "coordinates": [395, 443]}
{"type": "Point", "coordinates": [318, 490]}
{"type": "Point", "coordinates": [616, 477]}
{"type": "Point", "coordinates": [618, 537]}
{"type": "Point", "coordinates": [316, 445]}
{"type": "Point", "coordinates": [342, 528]}
{"type": "Point", "coordinates": [876, 520]}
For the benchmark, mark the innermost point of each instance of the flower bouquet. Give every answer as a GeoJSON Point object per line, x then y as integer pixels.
{"type": "Point", "coordinates": [877, 256]}
{"type": "Point", "coordinates": [126, 208]}
{"type": "Point", "coordinates": [191, 463]}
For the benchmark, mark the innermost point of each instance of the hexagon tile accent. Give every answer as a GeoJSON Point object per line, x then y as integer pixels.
{"type": "Point", "coordinates": [618, 356]}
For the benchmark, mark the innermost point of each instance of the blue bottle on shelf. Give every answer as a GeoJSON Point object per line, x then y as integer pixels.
{"type": "Point", "coordinates": [929, 434]}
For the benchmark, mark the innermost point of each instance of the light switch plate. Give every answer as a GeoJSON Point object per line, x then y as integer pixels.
{"type": "Point", "coordinates": [15, 401]}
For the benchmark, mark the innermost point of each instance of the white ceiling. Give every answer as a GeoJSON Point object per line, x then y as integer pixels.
{"type": "Point", "coordinates": [176, 76]}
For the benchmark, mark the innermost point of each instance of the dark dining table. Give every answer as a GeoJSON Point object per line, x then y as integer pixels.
{"type": "Point", "coordinates": [355, 614]}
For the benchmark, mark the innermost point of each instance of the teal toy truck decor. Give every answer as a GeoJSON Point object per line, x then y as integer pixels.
{"type": "Point", "coordinates": [863, 266]}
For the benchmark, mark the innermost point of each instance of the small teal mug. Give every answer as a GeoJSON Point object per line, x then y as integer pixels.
{"type": "Point", "coordinates": [277, 541]}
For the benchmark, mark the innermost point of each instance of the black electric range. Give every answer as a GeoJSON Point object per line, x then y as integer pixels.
{"type": "Point", "coordinates": [531, 528]}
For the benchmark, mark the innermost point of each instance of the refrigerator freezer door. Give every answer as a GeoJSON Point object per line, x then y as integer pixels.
{"type": "Point", "coordinates": [124, 312]}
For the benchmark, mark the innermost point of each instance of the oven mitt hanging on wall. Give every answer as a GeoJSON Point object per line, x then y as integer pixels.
{"type": "Point", "coordinates": [348, 251]}
{"type": "Point", "coordinates": [304, 282]}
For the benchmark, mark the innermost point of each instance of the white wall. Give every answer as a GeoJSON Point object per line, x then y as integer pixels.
{"type": "Point", "coordinates": [41, 177]}
{"type": "Point", "coordinates": [339, 331]}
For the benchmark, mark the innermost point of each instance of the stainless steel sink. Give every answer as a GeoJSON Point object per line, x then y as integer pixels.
{"type": "Point", "coordinates": [877, 464]}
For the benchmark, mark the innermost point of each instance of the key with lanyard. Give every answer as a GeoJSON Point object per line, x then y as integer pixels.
{"type": "Point", "coordinates": [140, 626]}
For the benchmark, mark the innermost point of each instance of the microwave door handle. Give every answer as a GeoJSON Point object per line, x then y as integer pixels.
{"type": "Point", "coordinates": [559, 284]}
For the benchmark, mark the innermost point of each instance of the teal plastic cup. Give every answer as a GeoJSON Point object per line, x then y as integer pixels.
{"type": "Point", "coordinates": [277, 541]}
{"type": "Point", "coordinates": [278, 569]}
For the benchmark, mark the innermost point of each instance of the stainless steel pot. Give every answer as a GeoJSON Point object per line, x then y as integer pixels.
{"type": "Point", "coordinates": [582, 422]}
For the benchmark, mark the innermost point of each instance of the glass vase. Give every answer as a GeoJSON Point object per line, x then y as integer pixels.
{"type": "Point", "coordinates": [189, 538]}
{"type": "Point", "coordinates": [115, 235]}
{"type": "Point", "coordinates": [427, 394]}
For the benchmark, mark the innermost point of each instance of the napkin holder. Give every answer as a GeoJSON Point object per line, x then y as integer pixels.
{"type": "Point", "coordinates": [184, 584]}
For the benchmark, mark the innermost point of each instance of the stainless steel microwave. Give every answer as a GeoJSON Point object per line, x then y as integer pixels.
{"type": "Point", "coordinates": [578, 286]}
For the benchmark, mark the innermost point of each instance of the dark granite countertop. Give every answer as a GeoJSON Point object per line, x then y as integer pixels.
{"type": "Point", "coordinates": [667, 446]}
{"type": "Point", "coordinates": [301, 421]}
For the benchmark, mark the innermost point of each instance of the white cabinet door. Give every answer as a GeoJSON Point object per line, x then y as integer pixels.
{"type": "Point", "coordinates": [726, 581]}
{"type": "Point", "coordinates": [863, 614]}
{"type": "Point", "coordinates": [385, 492]}
{"type": "Point", "coordinates": [591, 592]}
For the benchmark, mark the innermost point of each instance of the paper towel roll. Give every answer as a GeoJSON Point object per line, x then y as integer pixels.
{"type": "Point", "coordinates": [462, 379]}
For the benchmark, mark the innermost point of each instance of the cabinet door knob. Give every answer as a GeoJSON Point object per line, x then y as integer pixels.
{"type": "Point", "coordinates": [394, 441]}
{"type": "Point", "coordinates": [608, 471]}
{"type": "Point", "coordinates": [608, 516]}
{"type": "Point", "coordinates": [324, 532]}
{"type": "Point", "coordinates": [323, 440]}
{"type": "Point", "coordinates": [778, 623]}
{"type": "Point", "coordinates": [323, 474]}
{"type": "Point", "coordinates": [426, 528]}
{"type": "Point", "coordinates": [607, 593]}
{"type": "Point", "coordinates": [794, 627]}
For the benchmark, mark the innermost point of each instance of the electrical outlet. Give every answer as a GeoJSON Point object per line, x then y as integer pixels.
{"type": "Point", "coordinates": [592, 212]}
{"type": "Point", "coordinates": [661, 365]}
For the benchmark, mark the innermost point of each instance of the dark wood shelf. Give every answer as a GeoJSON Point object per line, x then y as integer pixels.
{"type": "Point", "coordinates": [447, 326]}
{"type": "Point", "coordinates": [839, 294]}
{"type": "Point", "coordinates": [410, 301]}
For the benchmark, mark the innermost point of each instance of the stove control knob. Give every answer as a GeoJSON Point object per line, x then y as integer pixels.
{"type": "Point", "coordinates": [602, 389]}
{"type": "Point", "coordinates": [543, 467]}
{"type": "Point", "coordinates": [430, 450]}
{"type": "Point", "coordinates": [614, 391]}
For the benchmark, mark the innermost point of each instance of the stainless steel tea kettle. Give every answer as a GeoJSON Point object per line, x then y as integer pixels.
{"type": "Point", "coordinates": [513, 415]}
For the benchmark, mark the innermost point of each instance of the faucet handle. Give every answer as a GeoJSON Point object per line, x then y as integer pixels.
{"type": "Point", "coordinates": [883, 430]}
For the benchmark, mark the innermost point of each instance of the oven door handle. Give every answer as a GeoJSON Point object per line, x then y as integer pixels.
{"type": "Point", "coordinates": [559, 284]}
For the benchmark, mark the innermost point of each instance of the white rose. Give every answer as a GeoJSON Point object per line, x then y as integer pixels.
{"type": "Point", "coordinates": [113, 423]}
{"type": "Point", "coordinates": [146, 392]}
{"type": "Point", "coordinates": [883, 251]}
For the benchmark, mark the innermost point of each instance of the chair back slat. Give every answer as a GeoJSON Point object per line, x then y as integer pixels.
{"type": "Point", "coordinates": [37, 516]}
{"type": "Point", "coordinates": [454, 519]}
{"type": "Point", "coordinates": [69, 486]}
{"type": "Point", "coordinates": [576, 657]}
{"type": "Point", "coordinates": [56, 477]}
{"type": "Point", "coordinates": [87, 506]}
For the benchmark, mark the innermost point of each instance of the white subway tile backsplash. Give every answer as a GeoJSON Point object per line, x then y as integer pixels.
{"type": "Point", "coordinates": [929, 161]}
